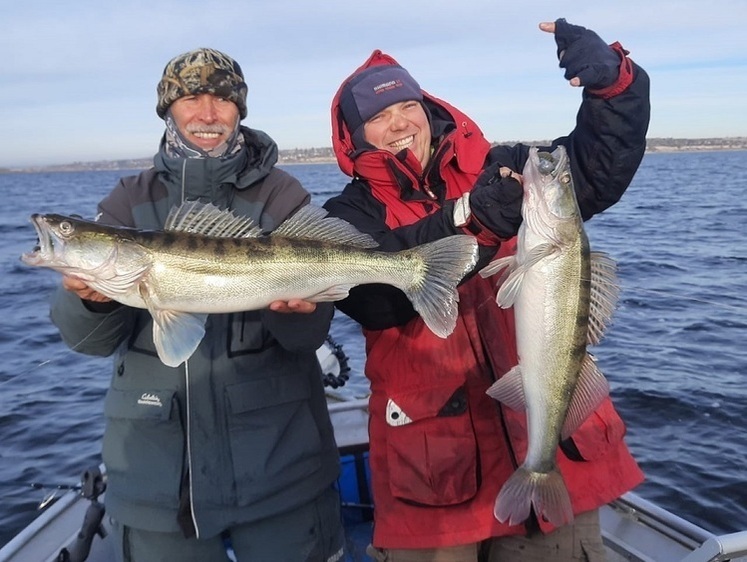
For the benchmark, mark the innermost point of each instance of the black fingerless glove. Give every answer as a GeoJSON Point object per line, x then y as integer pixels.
{"type": "Point", "coordinates": [495, 203]}
{"type": "Point", "coordinates": [583, 54]}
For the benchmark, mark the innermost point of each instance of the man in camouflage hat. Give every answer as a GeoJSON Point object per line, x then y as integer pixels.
{"type": "Point", "coordinates": [202, 71]}
{"type": "Point", "coordinates": [202, 98]}
{"type": "Point", "coordinates": [236, 443]}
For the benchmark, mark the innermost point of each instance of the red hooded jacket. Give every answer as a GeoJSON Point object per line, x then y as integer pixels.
{"type": "Point", "coordinates": [435, 476]}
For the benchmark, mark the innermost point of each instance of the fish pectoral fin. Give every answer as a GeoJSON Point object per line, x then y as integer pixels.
{"type": "Point", "coordinates": [538, 253]}
{"type": "Point", "coordinates": [497, 265]}
{"type": "Point", "coordinates": [510, 288]}
{"type": "Point", "coordinates": [511, 285]}
{"type": "Point", "coordinates": [509, 389]}
{"type": "Point", "coordinates": [604, 294]}
{"type": "Point", "coordinates": [334, 293]}
{"type": "Point", "coordinates": [591, 389]}
{"type": "Point", "coordinates": [177, 335]}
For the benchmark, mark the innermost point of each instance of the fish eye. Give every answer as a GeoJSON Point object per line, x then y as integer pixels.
{"type": "Point", "coordinates": [66, 227]}
{"type": "Point", "coordinates": [565, 178]}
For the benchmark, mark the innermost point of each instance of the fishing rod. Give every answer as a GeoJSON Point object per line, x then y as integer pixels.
{"type": "Point", "coordinates": [49, 498]}
{"type": "Point", "coordinates": [40, 485]}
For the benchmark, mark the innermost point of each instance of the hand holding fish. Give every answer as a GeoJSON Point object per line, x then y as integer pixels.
{"type": "Point", "coordinates": [293, 305]}
{"type": "Point", "coordinates": [80, 288]}
{"type": "Point", "coordinates": [495, 201]}
{"type": "Point", "coordinates": [587, 59]}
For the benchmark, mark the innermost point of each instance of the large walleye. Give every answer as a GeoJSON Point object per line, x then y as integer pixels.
{"type": "Point", "coordinates": [563, 296]}
{"type": "Point", "coordinates": [211, 261]}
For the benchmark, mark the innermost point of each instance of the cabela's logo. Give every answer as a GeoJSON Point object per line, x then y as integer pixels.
{"type": "Point", "coordinates": [149, 399]}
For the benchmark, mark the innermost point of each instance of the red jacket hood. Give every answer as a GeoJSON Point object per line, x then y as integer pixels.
{"type": "Point", "coordinates": [470, 161]}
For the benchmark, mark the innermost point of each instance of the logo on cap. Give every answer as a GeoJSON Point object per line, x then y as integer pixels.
{"type": "Point", "coordinates": [387, 86]}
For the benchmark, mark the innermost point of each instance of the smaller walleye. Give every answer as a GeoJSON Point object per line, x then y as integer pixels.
{"type": "Point", "coordinates": [209, 261]}
{"type": "Point", "coordinates": [563, 296]}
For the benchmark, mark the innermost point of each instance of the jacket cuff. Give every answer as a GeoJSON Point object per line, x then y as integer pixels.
{"type": "Point", "coordinates": [624, 79]}
{"type": "Point", "coordinates": [484, 236]}
{"type": "Point", "coordinates": [464, 221]}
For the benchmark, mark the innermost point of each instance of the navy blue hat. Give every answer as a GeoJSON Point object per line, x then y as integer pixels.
{"type": "Point", "coordinates": [374, 89]}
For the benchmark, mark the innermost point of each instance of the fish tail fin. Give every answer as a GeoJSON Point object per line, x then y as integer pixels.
{"type": "Point", "coordinates": [545, 491]}
{"type": "Point", "coordinates": [435, 297]}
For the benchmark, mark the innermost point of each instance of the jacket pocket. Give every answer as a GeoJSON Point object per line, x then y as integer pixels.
{"type": "Point", "coordinates": [274, 436]}
{"type": "Point", "coordinates": [431, 447]}
{"type": "Point", "coordinates": [602, 431]}
{"type": "Point", "coordinates": [143, 446]}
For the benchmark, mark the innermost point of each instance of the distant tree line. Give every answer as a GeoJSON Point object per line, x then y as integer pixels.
{"type": "Point", "coordinates": [325, 154]}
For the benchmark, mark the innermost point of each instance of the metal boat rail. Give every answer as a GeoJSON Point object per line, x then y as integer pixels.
{"type": "Point", "coordinates": [637, 530]}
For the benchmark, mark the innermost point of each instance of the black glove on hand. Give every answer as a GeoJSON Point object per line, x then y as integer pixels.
{"type": "Point", "coordinates": [495, 202]}
{"type": "Point", "coordinates": [586, 56]}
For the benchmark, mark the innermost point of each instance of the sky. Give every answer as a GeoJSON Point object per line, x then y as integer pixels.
{"type": "Point", "coordinates": [78, 79]}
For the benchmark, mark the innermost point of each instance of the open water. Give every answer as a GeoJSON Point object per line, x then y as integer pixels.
{"type": "Point", "coordinates": [675, 355]}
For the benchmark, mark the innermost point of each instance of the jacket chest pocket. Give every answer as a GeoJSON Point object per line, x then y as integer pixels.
{"type": "Point", "coordinates": [431, 447]}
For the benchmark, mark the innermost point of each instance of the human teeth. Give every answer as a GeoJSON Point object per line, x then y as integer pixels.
{"type": "Point", "coordinates": [403, 143]}
{"type": "Point", "coordinates": [207, 135]}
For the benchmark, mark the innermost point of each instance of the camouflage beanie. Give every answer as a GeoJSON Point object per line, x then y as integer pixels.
{"type": "Point", "coordinates": [202, 71]}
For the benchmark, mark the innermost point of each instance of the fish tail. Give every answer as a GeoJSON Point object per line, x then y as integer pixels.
{"type": "Point", "coordinates": [435, 296]}
{"type": "Point", "coordinates": [546, 492]}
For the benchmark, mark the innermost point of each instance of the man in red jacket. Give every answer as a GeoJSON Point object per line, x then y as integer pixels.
{"type": "Point", "coordinates": [440, 448]}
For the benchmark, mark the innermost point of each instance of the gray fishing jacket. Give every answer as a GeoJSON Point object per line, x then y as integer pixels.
{"type": "Point", "coordinates": [240, 431]}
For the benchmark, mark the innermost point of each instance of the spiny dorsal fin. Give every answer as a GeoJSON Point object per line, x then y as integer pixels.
{"type": "Point", "coordinates": [312, 223]}
{"type": "Point", "coordinates": [208, 220]}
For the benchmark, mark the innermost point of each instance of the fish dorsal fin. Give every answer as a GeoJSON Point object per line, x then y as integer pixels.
{"type": "Point", "coordinates": [208, 220]}
{"type": "Point", "coordinates": [604, 294]}
{"type": "Point", "coordinates": [312, 223]}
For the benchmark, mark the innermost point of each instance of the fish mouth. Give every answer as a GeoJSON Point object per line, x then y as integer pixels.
{"type": "Point", "coordinates": [551, 164]}
{"type": "Point", "coordinates": [44, 250]}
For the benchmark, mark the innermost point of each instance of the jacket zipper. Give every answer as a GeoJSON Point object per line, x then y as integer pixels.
{"type": "Point", "coordinates": [189, 412]}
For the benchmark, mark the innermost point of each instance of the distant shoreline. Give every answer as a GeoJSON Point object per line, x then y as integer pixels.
{"type": "Point", "coordinates": [325, 155]}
